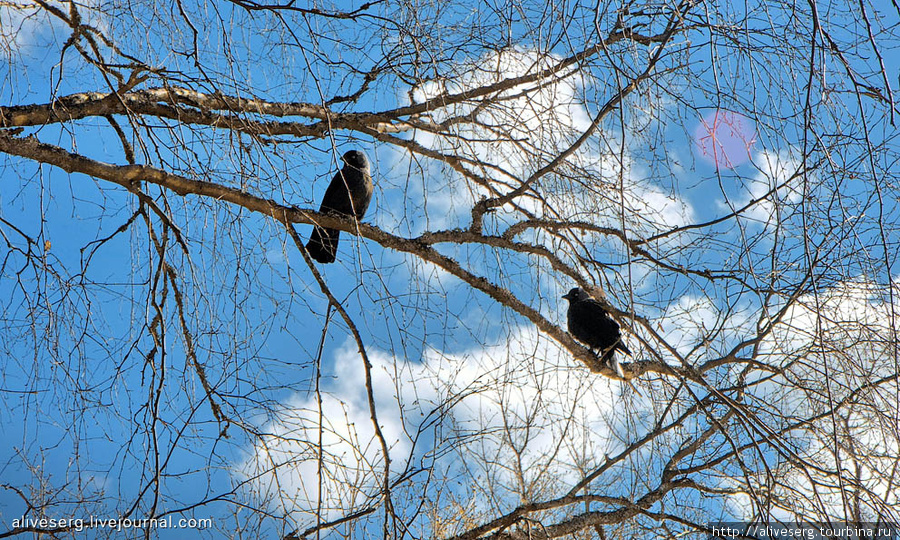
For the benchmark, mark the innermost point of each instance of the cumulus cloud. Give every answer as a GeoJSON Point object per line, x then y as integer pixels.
{"type": "Point", "coordinates": [518, 130]}
{"type": "Point", "coordinates": [688, 322]}
{"type": "Point", "coordinates": [284, 466]}
{"type": "Point", "coordinates": [507, 138]}
{"type": "Point", "coordinates": [521, 129]}
{"type": "Point", "coordinates": [522, 124]}
{"type": "Point", "coordinates": [522, 402]}
{"type": "Point", "coordinates": [836, 354]}
{"type": "Point", "coordinates": [26, 25]}
{"type": "Point", "coordinates": [656, 211]}
{"type": "Point", "coordinates": [282, 470]}
{"type": "Point", "coordinates": [22, 22]}
{"type": "Point", "coordinates": [533, 408]}
{"type": "Point", "coordinates": [776, 182]}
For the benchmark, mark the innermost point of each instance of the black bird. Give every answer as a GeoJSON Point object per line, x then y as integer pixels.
{"type": "Point", "coordinates": [348, 195]}
{"type": "Point", "coordinates": [591, 324]}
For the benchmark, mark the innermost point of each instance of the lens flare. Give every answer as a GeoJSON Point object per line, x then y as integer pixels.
{"type": "Point", "coordinates": [724, 138]}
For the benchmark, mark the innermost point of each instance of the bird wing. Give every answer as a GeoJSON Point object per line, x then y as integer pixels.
{"type": "Point", "coordinates": [349, 193]}
{"type": "Point", "coordinates": [585, 318]}
{"type": "Point", "coordinates": [362, 192]}
{"type": "Point", "coordinates": [337, 196]}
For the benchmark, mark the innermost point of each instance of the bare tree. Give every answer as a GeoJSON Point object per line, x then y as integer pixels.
{"type": "Point", "coordinates": [723, 177]}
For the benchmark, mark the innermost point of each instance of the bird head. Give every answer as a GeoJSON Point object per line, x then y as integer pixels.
{"type": "Point", "coordinates": [576, 295]}
{"type": "Point", "coordinates": [356, 159]}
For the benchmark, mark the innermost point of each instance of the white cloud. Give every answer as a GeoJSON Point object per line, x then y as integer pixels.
{"type": "Point", "coordinates": [517, 132]}
{"type": "Point", "coordinates": [647, 209]}
{"type": "Point", "coordinates": [520, 418]}
{"type": "Point", "coordinates": [660, 210]}
{"type": "Point", "coordinates": [282, 469]}
{"type": "Point", "coordinates": [830, 347]}
{"type": "Point", "coordinates": [523, 402]}
{"type": "Point", "coordinates": [774, 174]}
{"type": "Point", "coordinates": [25, 24]}
{"type": "Point", "coordinates": [521, 130]}
{"type": "Point", "coordinates": [534, 406]}
{"type": "Point", "coordinates": [688, 322]}
{"type": "Point", "coordinates": [20, 23]}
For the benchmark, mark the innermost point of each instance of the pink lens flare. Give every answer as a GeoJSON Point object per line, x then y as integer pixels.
{"type": "Point", "coordinates": [724, 138]}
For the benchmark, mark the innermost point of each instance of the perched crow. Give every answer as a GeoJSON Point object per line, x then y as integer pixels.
{"type": "Point", "coordinates": [348, 195]}
{"type": "Point", "coordinates": [592, 325]}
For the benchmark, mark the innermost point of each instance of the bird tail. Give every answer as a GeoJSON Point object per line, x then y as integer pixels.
{"type": "Point", "coordinates": [609, 358]}
{"type": "Point", "coordinates": [323, 243]}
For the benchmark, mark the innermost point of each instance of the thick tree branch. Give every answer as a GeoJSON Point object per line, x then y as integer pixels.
{"type": "Point", "coordinates": [127, 175]}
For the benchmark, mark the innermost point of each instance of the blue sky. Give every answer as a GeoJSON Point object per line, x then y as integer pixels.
{"type": "Point", "coordinates": [75, 334]}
